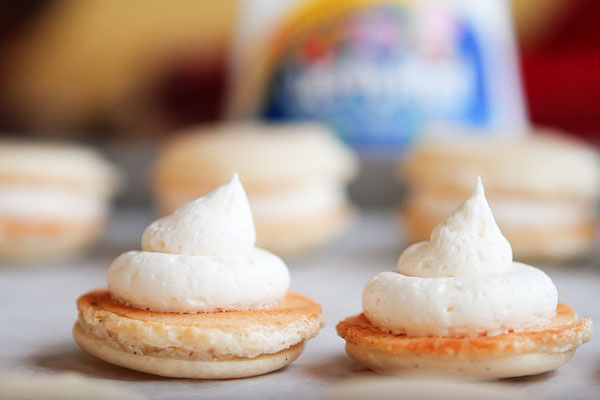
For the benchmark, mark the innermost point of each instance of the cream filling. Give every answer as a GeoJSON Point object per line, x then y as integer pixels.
{"type": "Point", "coordinates": [460, 306]}
{"type": "Point", "coordinates": [462, 282]}
{"type": "Point", "coordinates": [303, 201]}
{"type": "Point", "coordinates": [35, 202]}
{"type": "Point", "coordinates": [191, 284]}
{"type": "Point", "coordinates": [202, 258]}
{"type": "Point", "coordinates": [518, 212]}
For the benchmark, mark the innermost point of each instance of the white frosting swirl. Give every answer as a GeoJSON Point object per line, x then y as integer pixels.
{"type": "Point", "coordinates": [219, 223]}
{"type": "Point", "coordinates": [467, 243]}
{"type": "Point", "coordinates": [463, 282]}
{"type": "Point", "coordinates": [200, 259]}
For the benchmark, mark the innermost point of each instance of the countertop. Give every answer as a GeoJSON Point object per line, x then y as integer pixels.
{"type": "Point", "coordinates": [37, 312]}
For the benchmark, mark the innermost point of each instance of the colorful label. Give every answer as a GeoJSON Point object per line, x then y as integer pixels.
{"type": "Point", "coordinates": [380, 73]}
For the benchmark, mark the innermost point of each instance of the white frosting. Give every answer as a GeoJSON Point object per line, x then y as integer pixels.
{"type": "Point", "coordinates": [462, 282]}
{"type": "Point", "coordinates": [522, 297]}
{"type": "Point", "coordinates": [307, 200]}
{"type": "Point", "coordinates": [517, 211]}
{"type": "Point", "coordinates": [50, 202]}
{"type": "Point", "coordinates": [187, 284]}
{"type": "Point", "coordinates": [219, 223]}
{"type": "Point", "coordinates": [467, 243]}
{"type": "Point", "coordinates": [201, 259]}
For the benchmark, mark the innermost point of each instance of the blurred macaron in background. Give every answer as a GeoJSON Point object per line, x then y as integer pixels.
{"type": "Point", "coordinates": [295, 176]}
{"type": "Point", "coordinates": [543, 187]}
{"type": "Point", "coordinates": [54, 199]}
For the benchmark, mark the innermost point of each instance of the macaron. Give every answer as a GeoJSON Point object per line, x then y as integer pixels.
{"type": "Point", "coordinates": [459, 305]}
{"type": "Point", "coordinates": [209, 345]}
{"type": "Point", "coordinates": [54, 199]}
{"type": "Point", "coordinates": [533, 351]}
{"type": "Point", "coordinates": [294, 175]}
{"type": "Point", "coordinates": [200, 300]}
{"type": "Point", "coordinates": [543, 188]}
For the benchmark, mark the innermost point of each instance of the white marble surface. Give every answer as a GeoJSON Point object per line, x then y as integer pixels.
{"type": "Point", "coordinates": [37, 311]}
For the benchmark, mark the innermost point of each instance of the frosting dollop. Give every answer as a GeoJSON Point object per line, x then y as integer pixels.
{"type": "Point", "coordinates": [219, 223]}
{"type": "Point", "coordinates": [467, 243]}
{"type": "Point", "coordinates": [201, 258]}
{"type": "Point", "coordinates": [462, 282]}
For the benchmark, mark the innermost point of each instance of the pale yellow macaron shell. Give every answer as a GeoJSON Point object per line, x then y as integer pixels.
{"type": "Point", "coordinates": [542, 164]}
{"type": "Point", "coordinates": [266, 156]}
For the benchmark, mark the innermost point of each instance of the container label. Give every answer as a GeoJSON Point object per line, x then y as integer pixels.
{"type": "Point", "coordinates": [378, 72]}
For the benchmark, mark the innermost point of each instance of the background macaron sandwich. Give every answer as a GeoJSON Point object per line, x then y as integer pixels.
{"type": "Point", "coordinates": [294, 174]}
{"type": "Point", "coordinates": [54, 199]}
{"type": "Point", "coordinates": [543, 188]}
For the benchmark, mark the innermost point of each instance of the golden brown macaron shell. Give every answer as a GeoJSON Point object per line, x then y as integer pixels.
{"type": "Point", "coordinates": [126, 332]}
{"type": "Point", "coordinates": [98, 307]}
{"type": "Point", "coordinates": [562, 335]}
{"type": "Point", "coordinates": [291, 309]}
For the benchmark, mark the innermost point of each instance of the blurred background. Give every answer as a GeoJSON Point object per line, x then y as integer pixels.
{"type": "Point", "coordinates": [97, 68]}
{"type": "Point", "coordinates": [127, 75]}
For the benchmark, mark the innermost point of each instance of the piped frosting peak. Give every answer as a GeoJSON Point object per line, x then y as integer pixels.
{"type": "Point", "coordinates": [467, 243]}
{"type": "Point", "coordinates": [219, 223]}
{"type": "Point", "coordinates": [201, 258]}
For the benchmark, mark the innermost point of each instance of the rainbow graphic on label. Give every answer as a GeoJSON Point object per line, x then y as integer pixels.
{"type": "Point", "coordinates": [379, 72]}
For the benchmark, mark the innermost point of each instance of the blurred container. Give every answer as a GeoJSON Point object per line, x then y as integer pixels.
{"type": "Point", "coordinates": [378, 71]}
